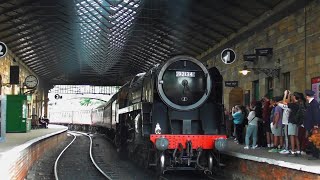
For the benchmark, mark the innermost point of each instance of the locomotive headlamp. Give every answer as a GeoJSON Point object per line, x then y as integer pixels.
{"type": "Point", "coordinates": [162, 144]}
{"type": "Point", "coordinates": [157, 130]}
{"type": "Point", "coordinates": [220, 144]}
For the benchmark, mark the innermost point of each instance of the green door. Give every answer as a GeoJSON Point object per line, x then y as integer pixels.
{"type": "Point", "coordinates": [16, 119]}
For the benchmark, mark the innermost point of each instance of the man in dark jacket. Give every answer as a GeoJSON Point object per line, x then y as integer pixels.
{"type": "Point", "coordinates": [312, 118]}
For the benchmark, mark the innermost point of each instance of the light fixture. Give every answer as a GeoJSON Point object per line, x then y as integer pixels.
{"type": "Point", "coordinates": [267, 71]}
{"type": "Point", "coordinates": [245, 70]}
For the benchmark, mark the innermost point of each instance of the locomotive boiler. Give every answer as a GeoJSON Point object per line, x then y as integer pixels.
{"type": "Point", "coordinates": [170, 116]}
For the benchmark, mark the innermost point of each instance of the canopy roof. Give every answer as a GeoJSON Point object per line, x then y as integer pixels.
{"type": "Point", "coordinates": [104, 42]}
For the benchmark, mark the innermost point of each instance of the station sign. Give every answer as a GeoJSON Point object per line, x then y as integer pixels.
{"type": "Point", "coordinates": [264, 51]}
{"type": "Point", "coordinates": [250, 57]}
{"type": "Point", "coordinates": [231, 83]}
{"type": "Point", "coordinates": [228, 56]}
{"type": "Point", "coordinates": [57, 96]}
{"type": "Point", "coordinates": [3, 49]}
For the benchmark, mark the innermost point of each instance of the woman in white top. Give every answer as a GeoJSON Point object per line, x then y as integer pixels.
{"type": "Point", "coordinates": [252, 129]}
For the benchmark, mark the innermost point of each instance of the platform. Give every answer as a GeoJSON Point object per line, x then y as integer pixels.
{"type": "Point", "coordinates": [20, 140]}
{"type": "Point", "coordinates": [268, 161]}
{"type": "Point", "coordinates": [20, 150]}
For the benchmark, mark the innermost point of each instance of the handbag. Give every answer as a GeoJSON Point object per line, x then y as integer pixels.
{"type": "Point", "coordinates": [251, 120]}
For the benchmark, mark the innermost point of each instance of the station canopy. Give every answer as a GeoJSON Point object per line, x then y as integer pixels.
{"type": "Point", "coordinates": [105, 42]}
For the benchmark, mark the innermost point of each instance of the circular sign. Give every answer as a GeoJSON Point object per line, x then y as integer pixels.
{"type": "Point", "coordinates": [57, 96]}
{"type": "Point", "coordinates": [228, 56]}
{"type": "Point", "coordinates": [3, 49]}
{"type": "Point", "coordinates": [31, 81]}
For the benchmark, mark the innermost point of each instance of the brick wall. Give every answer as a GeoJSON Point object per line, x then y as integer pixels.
{"type": "Point", "coordinates": [17, 168]}
{"type": "Point", "coordinates": [246, 169]}
{"type": "Point", "coordinates": [289, 40]}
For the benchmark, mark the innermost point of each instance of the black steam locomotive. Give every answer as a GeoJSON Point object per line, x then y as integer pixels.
{"type": "Point", "coordinates": [169, 117]}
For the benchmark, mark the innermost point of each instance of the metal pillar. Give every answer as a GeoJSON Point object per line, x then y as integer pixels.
{"type": "Point", "coordinates": [45, 102]}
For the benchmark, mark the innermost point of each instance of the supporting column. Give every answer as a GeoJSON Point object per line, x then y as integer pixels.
{"type": "Point", "coordinates": [45, 102]}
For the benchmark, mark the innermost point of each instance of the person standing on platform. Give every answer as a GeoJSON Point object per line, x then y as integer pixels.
{"type": "Point", "coordinates": [294, 121]}
{"type": "Point", "coordinates": [312, 120]}
{"type": "Point", "coordinates": [238, 116]}
{"type": "Point", "coordinates": [245, 111]}
{"type": "Point", "coordinates": [254, 116]}
{"type": "Point", "coordinates": [228, 120]}
{"type": "Point", "coordinates": [266, 112]}
{"type": "Point", "coordinates": [302, 134]}
{"type": "Point", "coordinates": [285, 120]}
{"type": "Point", "coordinates": [297, 118]}
{"type": "Point", "coordinates": [276, 126]}
{"type": "Point", "coordinates": [261, 136]}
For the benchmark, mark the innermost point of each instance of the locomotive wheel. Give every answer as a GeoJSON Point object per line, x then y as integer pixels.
{"type": "Point", "coordinates": [161, 164]}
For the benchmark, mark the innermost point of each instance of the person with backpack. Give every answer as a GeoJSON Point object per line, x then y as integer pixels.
{"type": "Point", "coordinates": [312, 118]}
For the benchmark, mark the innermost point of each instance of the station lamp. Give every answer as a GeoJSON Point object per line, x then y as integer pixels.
{"type": "Point", "coordinates": [270, 72]}
{"type": "Point", "coordinates": [244, 71]}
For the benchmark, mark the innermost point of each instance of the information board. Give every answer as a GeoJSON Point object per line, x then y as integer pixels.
{"type": "Point", "coordinates": [315, 85]}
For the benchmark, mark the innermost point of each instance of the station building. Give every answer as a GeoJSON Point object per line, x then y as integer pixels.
{"type": "Point", "coordinates": [295, 41]}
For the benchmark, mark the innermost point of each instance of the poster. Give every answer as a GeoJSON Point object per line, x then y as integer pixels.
{"type": "Point", "coordinates": [315, 85]}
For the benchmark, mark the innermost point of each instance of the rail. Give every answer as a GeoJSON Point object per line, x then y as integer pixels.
{"type": "Point", "coordinates": [90, 152]}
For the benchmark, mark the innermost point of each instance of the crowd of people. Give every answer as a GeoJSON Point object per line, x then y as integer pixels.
{"type": "Point", "coordinates": [282, 124]}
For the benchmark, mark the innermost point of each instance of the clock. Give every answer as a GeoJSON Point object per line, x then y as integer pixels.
{"type": "Point", "coordinates": [31, 81]}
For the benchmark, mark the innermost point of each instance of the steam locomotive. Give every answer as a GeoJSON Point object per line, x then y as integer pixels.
{"type": "Point", "coordinates": [168, 117]}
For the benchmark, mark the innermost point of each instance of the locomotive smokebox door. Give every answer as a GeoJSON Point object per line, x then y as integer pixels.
{"type": "Point", "coordinates": [184, 83]}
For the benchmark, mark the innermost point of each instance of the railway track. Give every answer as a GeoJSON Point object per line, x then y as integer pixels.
{"type": "Point", "coordinates": [89, 157]}
{"type": "Point", "coordinates": [76, 161]}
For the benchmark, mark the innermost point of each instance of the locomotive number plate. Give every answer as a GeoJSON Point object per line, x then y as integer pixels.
{"type": "Point", "coordinates": [185, 74]}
